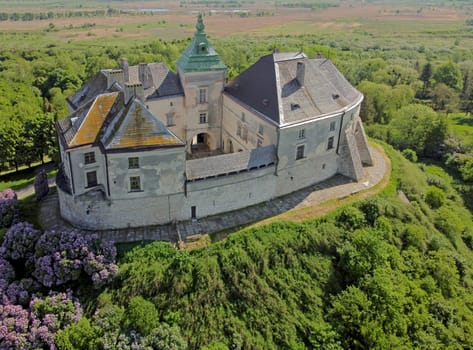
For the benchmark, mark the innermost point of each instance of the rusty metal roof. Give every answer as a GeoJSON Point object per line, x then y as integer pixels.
{"type": "Point", "coordinates": [136, 127]}
{"type": "Point", "coordinates": [89, 128]}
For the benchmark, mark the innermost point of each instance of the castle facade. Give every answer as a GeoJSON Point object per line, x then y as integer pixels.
{"type": "Point", "coordinates": [144, 145]}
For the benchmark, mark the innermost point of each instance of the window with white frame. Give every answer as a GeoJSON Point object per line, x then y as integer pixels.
{"type": "Point", "coordinates": [332, 126]}
{"type": "Point", "coordinates": [260, 129]}
{"type": "Point", "coordinates": [244, 134]}
{"type": "Point", "coordinates": [203, 118]}
{"type": "Point", "coordinates": [89, 157]}
{"type": "Point", "coordinates": [133, 163]}
{"type": "Point", "coordinates": [302, 134]}
{"type": "Point", "coordinates": [135, 183]}
{"type": "Point", "coordinates": [170, 120]}
{"type": "Point", "coordinates": [239, 129]}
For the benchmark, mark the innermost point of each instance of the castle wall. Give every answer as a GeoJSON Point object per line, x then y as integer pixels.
{"type": "Point", "coordinates": [209, 197]}
{"type": "Point", "coordinates": [243, 129]}
{"type": "Point", "coordinates": [170, 109]}
{"type": "Point", "coordinates": [76, 162]}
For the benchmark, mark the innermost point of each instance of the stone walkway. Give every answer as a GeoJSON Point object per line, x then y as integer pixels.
{"type": "Point", "coordinates": [335, 187]}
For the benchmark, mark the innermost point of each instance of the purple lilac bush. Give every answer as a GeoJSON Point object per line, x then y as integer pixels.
{"type": "Point", "coordinates": [62, 257]}
{"type": "Point", "coordinates": [9, 211]}
{"type": "Point", "coordinates": [20, 240]}
{"type": "Point", "coordinates": [32, 263]}
{"type": "Point", "coordinates": [34, 327]}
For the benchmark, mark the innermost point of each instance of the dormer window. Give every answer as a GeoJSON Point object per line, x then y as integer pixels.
{"type": "Point", "coordinates": [295, 106]}
{"type": "Point", "coordinates": [203, 48]}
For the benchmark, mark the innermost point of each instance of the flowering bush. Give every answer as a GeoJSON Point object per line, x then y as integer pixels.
{"type": "Point", "coordinates": [34, 327]}
{"type": "Point", "coordinates": [20, 240]}
{"type": "Point", "coordinates": [9, 212]}
{"type": "Point", "coordinates": [62, 257]}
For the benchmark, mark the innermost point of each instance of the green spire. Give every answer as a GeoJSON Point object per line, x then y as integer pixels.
{"type": "Point", "coordinates": [199, 55]}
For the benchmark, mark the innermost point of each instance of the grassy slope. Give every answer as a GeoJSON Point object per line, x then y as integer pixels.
{"type": "Point", "coordinates": [402, 280]}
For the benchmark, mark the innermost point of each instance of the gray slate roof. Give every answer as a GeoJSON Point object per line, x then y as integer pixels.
{"type": "Point", "coordinates": [158, 81]}
{"type": "Point", "coordinates": [270, 86]}
{"type": "Point", "coordinates": [230, 163]}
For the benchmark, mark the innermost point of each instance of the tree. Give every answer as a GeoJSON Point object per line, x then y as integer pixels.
{"type": "Point", "coordinates": [419, 128]}
{"type": "Point", "coordinates": [449, 73]}
{"type": "Point", "coordinates": [426, 77]}
{"type": "Point", "coordinates": [444, 98]}
{"type": "Point", "coordinates": [466, 104]}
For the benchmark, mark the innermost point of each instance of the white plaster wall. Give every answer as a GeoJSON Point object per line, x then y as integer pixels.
{"type": "Point", "coordinates": [79, 168]}
{"type": "Point", "coordinates": [213, 82]}
{"type": "Point", "coordinates": [160, 107]}
{"type": "Point", "coordinates": [161, 172]}
{"type": "Point", "coordinates": [232, 115]}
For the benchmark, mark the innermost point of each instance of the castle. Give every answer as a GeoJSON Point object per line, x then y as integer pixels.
{"type": "Point", "coordinates": [146, 146]}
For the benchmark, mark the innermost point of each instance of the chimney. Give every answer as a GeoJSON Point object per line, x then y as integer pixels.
{"type": "Point", "coordinates": [134, 90]}
{"type": "Point", "coordinates": [300, 73]}
{"type": "Point", "coordinates": [114, 76]}
{"type": "Point", "coordinates": [144, 75]}
{"type": "Point", "coordinates": [124, 67]}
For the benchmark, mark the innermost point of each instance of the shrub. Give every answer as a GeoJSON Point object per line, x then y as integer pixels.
{"type": "Point", "coordinates": [350, 218]}
{"type": "Point", "coordinates": [435, 197]}
{"type": "Point", "coordinates": [20, 240]}
{"type": "Point", "coordinates": [63, 257]}
{"type": "Point", "coordinates": [410, 154]}
{"type": "Point", "coordinates": [9, 211]}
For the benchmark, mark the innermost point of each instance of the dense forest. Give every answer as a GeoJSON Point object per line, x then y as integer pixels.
{"type": "Point", "coordinates": [393, 271]}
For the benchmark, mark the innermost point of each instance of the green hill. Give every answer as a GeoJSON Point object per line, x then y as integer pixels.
{"type": "Point", "coordinates": [394, 271]}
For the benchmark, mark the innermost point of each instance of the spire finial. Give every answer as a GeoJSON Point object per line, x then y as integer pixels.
{"type": "Point", "coordinates": [200, 24]}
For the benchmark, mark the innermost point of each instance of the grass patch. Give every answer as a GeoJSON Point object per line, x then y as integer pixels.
{"type": "Point", "coordinates": [22, 178]}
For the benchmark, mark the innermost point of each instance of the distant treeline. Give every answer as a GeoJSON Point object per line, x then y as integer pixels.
{"type": "Point", "coordinates": [32, 16]}
{"type": "Point", "coordinates": [309, 5]}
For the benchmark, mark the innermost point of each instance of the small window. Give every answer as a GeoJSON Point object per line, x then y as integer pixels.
{"type": "Point", "coordinates": [332, 126]}
{"type": "Point", "coordinates": [135, 183]}
{"type": "Point", "coordinates": [203, 118]}
{"type": "Point", "coordinates": [243, 116]}
{"type": "Point", "coordinates": [89, 157]}
{"type": "Point", "coordinates": [260, 129]}
{"type": "Point", "coordinates": [133, 163]}
{"type": "Point", "coordinates": [330, 142]}
{"type": "Point", "coordinates": [302, 134]}
{"type": "Point", "coordinates": [239, 129]}
{"type": "Point", "coordinates": [202, 95]}
{"type": "Point", "coordinates": [244, 134]}
{"type": "Point", "coordinates": [300, 152]}
{"type": "Point", "coordinates": [170, 120]}
{"type": "Point", "coordinates": [91, 179]}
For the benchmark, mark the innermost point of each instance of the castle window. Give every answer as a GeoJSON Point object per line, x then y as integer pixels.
{"type": "Point", "coordinates": [300, 152]}
{"type": "Point", "coordinates": [244, 134]}
{"type": "Point", "coordinates": [239, 129]}
{"type": "Point", "coordinates": [202, 95]}
{"type": "Point", "coordinates": [332, 126]}
{"type": "Point", "coordinates": [330, 142]}
{"type": "Point", "coordinates": [203, 118]}
{"type": "Point", "coordinates": [135, 183]}
{"type": "Point", "coordinates": [133, 163]}
{"type": "Point", "coordinates": [260, 129]}
{"type": "Point", "coordinates": [91, 178]}
{"type": "Point", "coordinates": [243, 117]}
{"type": "Point", "coordinates": [170, 120]}
{"type": "Point", "coordinates": [302, 134]}
{"type": "Point", "coordinates": [89, 157]}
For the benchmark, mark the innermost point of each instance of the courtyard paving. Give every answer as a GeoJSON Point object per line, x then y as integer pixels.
{"type": "Point", "coordinates": [335, 187]}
